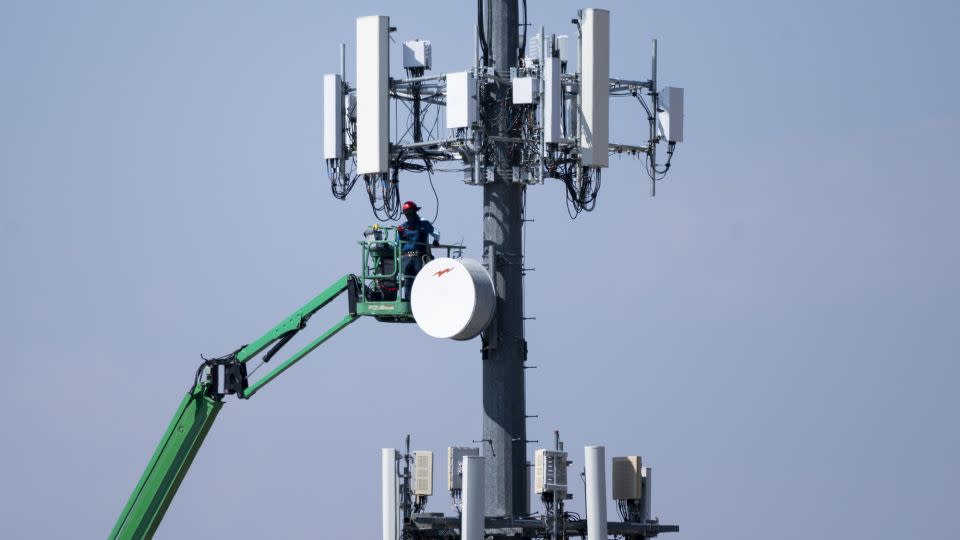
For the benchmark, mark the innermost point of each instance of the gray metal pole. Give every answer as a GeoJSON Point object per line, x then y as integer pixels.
{"type": "Point", "coordinates": [504, 407]}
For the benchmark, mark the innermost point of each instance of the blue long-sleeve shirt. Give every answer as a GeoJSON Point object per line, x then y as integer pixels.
{"type": "Point", "coordinates": [414, 235]}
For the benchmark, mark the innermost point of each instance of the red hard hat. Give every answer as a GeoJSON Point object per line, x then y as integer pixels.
{"type": "Point", "coordinates": [410, 206]}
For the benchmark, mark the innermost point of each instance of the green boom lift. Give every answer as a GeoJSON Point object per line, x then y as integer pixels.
{"type": "Point", "coordinates": [375, 292]}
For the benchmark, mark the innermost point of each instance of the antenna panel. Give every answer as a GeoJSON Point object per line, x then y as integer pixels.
{"type": "Point", "coordinates": [550, 44]}
{"type": "Point", "coordinates": [550, 474]}
{"type": "Point", "coordinates": [461, 100]}
{"type": "Point", "coordinates": [532, 53]}
{"type": "Point", "coordinates": [332, 117]}
{"type": "Point", "coordinates": [373, 106]}
{"type": "Point", "coordinates": [647, 474]}
{"type": "Point", "coordinates": [562, 47]}
{"type": "Point", "coordinates": [417, 54]}
{"type": "Point", "coordinates": [525, 90]}
{"type": "Point", "coordinates": [455, 455]}
{"type": "Point", "coordinates": [551, 100]}
{"type": "Point", "coordinates": [423, 473]}
{"type": "Point", "coordinates": [670, 117]}
{"type": "Point", "coordinates": [627, 478]}
{"type": "Point", "coordinates": [595, 88]}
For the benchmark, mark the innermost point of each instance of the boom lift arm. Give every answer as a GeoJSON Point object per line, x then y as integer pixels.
{"type": "Point", "coordinates": [216, 378]}
{"type": "Point", "coordinates": [374, 292]}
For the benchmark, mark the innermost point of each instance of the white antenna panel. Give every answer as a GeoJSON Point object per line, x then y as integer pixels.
{"type": "Point", "coordinates": [595, 88]}
{"type": "Point", "coordinates": [525, 90]}
{"type": "Point", "coordinates": [551, 100]}
{"type": "Point", "coordinates": [647, 474]}
{"type": "Point", "coordinates": [627, 478]}
{"type": "Point", "coordinates": [373, 104]}
{"type": "Point", "coordinates": [423, 473]}
{"type": "Point", "coordinates": [461, 100]}
{"type": "Point", "coordinates": [550, 474]}
{"type": "Point", "coordinates": [532, 52]}
{"type": "Point", "coordinates": [670, 117]}
{"type": "Point", "coordinates": [332, 117]}
{"type": "Point", "coordinates": [549, 45]}
{"type": "Point", "coordinates": [472, 519]}
{"type": "Point", "coordinates": [562, 48]}
{"type": "Point", "coordinates": [388, 494]}
{"type": "Point", "coordinates": [417, 54]}
{"type": "Point", "coordinates": [455, 455]}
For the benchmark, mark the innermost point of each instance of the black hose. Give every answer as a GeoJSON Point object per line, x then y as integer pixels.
{"type": "Point", "coordinates": [482, 33]}
{"type": "Point", "coordinates": [523, 46]}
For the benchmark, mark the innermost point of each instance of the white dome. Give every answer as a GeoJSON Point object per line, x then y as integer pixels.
{"type": "Point", "coordinates": [452, 298]}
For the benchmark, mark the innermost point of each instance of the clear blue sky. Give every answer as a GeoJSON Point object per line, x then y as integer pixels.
{"type": "Point", "coordinates": [775, 332]}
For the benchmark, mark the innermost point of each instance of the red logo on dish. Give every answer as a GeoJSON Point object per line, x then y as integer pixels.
{"type": "Point", "coordinates": [440, 273]}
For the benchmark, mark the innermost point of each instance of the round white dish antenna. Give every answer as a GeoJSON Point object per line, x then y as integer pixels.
{"type": "Point", "coordinates": [452, 298]}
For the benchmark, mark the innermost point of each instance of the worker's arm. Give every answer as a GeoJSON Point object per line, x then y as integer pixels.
{"type": "Point", "coordinates": [216, 378]}
{"type": "Point", "coordinates": [431, 231]}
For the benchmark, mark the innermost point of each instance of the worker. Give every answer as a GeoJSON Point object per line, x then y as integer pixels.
{"type": "Point", "coordinates": [414, 244]}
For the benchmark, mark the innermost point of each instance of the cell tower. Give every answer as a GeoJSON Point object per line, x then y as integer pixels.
{"type": "Point", "coordinates": [515, 118]}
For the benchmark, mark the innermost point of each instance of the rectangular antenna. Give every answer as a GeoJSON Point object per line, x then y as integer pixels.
{"type": "Point", "coordinates": [670, 117]}
{"type": "Point", "coordinates": [524, 90]}
{"type": "Point", "coordinates": [423, 473]}
{"type": "Point", "coordinates": [647, 473]}
{"type": "Point", "coordinates": [532, 54]}
{"type": "Point", "coordinates": [551, 99]}
{"type": "Point", "coordinates": [417, 54]}
{"type": "Point", "coordinates": [472, 519]}
{"type": "Point", "coordinates": [596, 492]}
{"type": "Point", "coordinates": [455, 455]}
{"type": "Point", "coordinates": [388, 494]}
{"type": "Point", "coordinates": [595, 88]}
{"type": "Point", "coordinates": [562, 48]}
{"type": "Point", "coordinates": [550, 471]}
{"type": "Point", "coordinates": [373, 104]}
{"type": "Point", "coordinates": [627, 478]}
{"type": "Point", "coordinates": [332, 117]}
{"type": "Point", "coordinates": [461, 100]}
